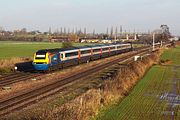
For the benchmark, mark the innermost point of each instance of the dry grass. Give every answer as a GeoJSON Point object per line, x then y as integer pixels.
{"type": "Point", "coordinates": [7, 65]}
{"type": "Point", "coordinates": [165, 62]}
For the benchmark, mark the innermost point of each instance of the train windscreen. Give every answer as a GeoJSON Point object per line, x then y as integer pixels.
{"type": "Point", "coordinates": [41, 55]}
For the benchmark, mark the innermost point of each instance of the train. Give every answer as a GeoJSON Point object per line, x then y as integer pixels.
{"type": "Point", "coordinates": [58, 58]}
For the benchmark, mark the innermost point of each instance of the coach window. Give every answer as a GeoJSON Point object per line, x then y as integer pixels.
{"type": "Point", "coordinates": [119, 47]}
{"type": "Point", "coordinates": [112, 48]}
{"type": "Point", "coordinates": [71, 54]}
{"type": "Point", "coordinates": [96, 50]}
{"type": "Point", "coordinates": [85, 52]}
{"type": "Point", "coordinates": [104, 49]}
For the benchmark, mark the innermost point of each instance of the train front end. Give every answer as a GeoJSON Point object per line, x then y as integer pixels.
{"type": "Point", "coordinates": [41, 61]}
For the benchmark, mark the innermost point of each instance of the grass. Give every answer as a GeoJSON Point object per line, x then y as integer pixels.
{"type": "Point", "coordinates": [138, 45]}
{"type": "Point", "coordinates": [172, 54]}
{"type": "Point", "coordinates": [26, 49]}
{"type": "Point", "coordinates": [144, 102]}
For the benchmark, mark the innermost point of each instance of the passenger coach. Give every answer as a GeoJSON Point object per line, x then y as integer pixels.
{"type": "Point", "coordinates": [59, 58]}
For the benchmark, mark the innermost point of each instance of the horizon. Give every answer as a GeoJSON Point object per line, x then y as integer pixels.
{"type": "Point", "coordinates": [141, 15]}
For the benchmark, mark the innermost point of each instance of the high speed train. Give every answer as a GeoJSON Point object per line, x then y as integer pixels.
{"type": "Point", "coordinates": [49, 59]}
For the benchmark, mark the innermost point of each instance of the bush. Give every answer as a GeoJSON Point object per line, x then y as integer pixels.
{"type": "Point", "coordinates": [67, 44]}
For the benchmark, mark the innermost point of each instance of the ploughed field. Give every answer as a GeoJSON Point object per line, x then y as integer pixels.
{"type": "Point", "coordinates": [26, 49]}
{"type": "Point", "coordinates": [156, 96]}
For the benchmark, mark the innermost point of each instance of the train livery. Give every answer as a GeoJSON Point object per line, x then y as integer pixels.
{"type": "Point", "coordinates": [49, 59]}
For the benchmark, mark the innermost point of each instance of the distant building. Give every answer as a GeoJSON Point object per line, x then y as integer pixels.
{"type": "Point", "coordinates": [174, 39]}
{"type": "Point", "coordinates": [89, 40]}
{"type": "Point", "coordinates": [36, 32]}
{"type": "Point", "coordinates": [106, 41]}
{"type": "Point", "coordinates": [58, 39]}
{"type": "Point", "coordinates": [2, 34]}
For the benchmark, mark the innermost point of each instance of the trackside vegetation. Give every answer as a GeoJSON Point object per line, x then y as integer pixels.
{"type": "Point", "coordinates": [155, 97]}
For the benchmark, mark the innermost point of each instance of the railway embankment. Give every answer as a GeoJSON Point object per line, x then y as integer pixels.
{"type": "Point", "coordinates": [109, 92]}
{"type": "Point", "coordinates": [155, 97]}
{"type": "Point", "coordinates": [113, 90]}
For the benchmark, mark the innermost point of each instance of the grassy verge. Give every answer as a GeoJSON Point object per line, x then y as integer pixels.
{"type": "Point", "coordinates": [152, 97]}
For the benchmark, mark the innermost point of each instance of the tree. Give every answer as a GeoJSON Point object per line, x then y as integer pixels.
{"type": "Point", "coordinates": [165, 29]}
{"type": "Point", "coordinates": [73, 37]}
{"type": "Point", "coordinates": [112, 32]}
{"type": "Point", "coordinates": [1, 29]}
{"type": "Point", "coordinates": [147, 39]}
{"type": "Point", "coordinates": [165, 33]}
{"type": "Point", "coordinates": [23, 30]}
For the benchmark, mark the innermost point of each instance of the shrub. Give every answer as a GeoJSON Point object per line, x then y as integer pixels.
{"type": "Point", "coordinates": [67, 44]}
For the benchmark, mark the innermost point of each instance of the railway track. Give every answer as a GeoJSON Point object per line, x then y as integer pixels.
{"type": "Point", "coordinates": [28, 97]}
{"type": "Point", "coordinates": [7, 80]}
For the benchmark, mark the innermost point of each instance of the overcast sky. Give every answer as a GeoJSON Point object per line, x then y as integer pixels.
{"type": "Point", "coordinates": [142, 15]}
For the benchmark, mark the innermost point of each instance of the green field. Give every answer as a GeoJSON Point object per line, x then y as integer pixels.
{"type": "Point", "coordinates": [26, 49]}
{"type": "Point", "coordinates": [155, 97]}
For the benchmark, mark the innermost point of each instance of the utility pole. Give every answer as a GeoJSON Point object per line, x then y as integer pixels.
{"type": "Point", "coordinates": [64, 31]}
{"type": "Point", "coordinates": [121, 32]}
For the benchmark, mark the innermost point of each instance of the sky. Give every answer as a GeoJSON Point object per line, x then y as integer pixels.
{"type": "Point", "coordinates": [138, 15]}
